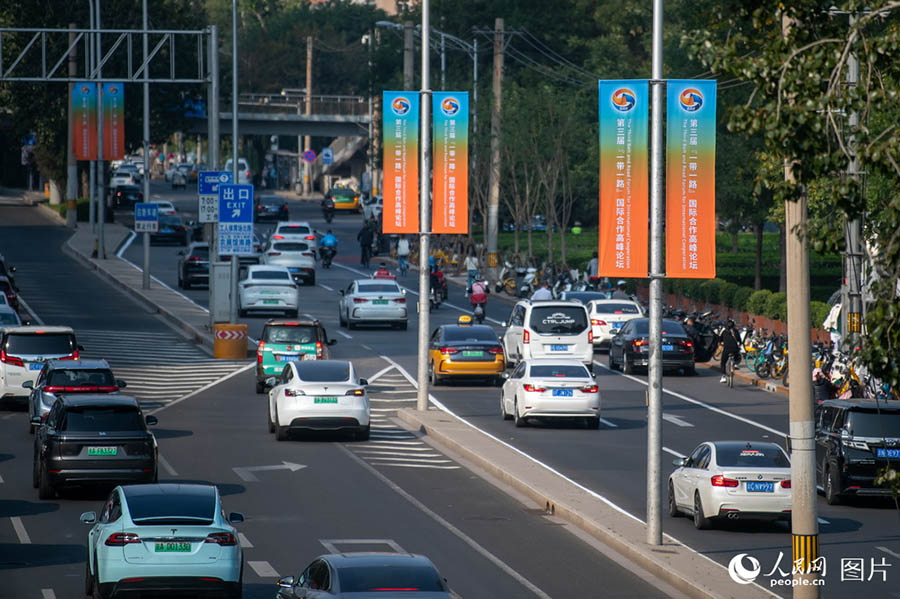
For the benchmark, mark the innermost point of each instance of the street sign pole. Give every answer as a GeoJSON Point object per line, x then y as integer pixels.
{"type": "Point", "coordinates": [146, 86]}
{"type": "Point", "coordinates": [146, 282]}
{"type": "Point", "coordinates": [146, 221]}
{"type": "Point", "coordinates": [208, 215]}
{"type": "Point", "coordinates": [424, 211]}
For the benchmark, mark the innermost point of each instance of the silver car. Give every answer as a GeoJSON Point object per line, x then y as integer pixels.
{"type": "Point", "coordinates": [373, 301]}
{"type": "Point", "coordinates": [297, 256]}
{"type": "Point", "coordinates": [268, 288]}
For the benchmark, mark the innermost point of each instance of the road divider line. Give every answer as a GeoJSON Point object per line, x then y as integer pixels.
{"type": "Point", "coordinates": [263, 569]}
{"type": "Point", "coordinates": [166, 465]}
{"type": "Point", "coordinates": [34, 315]}
{"type": "Point", "coordinates": [1, 480]}
{"type": "Point", "coordinates": [888, 551]}
{"type": "Point", "coordinates": [245, 542]}
{"type": "Point", "coordinates": [673, 452]}
{"type": "Point", "coordinates": [204, 388]}
{"type": "Point", "coordinates": [676, 420]}
{"type": "Point", "coordinates": [380, 373]}
{"type": "Point", "coordinates": [343, 334]}
{"type": "Point", "coordinates": [608, 423]}
{"type": "Point", "coordinates": [325, 287]}
{"type": "Point", "coordinates": [48, 594]}
{"type": "Point", "coordinates": [20, 530]}
{"type": "Point", "coordinates": [126, 244]}
{"type": "Point", "coordinates": [824, 521]}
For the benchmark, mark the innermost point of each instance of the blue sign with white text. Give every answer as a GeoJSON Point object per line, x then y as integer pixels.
{"type": "Point", "coordinates": [235, 219]}
{"type": "Point", "coordinates": [146, 217]}
{"type": "Point", "coordinates": [208, 181]}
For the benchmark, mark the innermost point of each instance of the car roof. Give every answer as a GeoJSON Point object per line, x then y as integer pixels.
{"type": "Point", "coordinates": [294, 223]}
{"type": "Point", "coordinates": [559, 302]}
{"type": "Point", "coordinates": [868, 404]}
{"type": "Point", "coordinates": [90, 364]}
{"type": "Point", "coordinates": [293, 322]}
{"type": "Point", "coordinates": [98, 399]}
{"type": "Point", "coordinates": [614, 301]}
{"type": "Point", "coordinates": [37, 329]}
{"type": "Point", "coordinates": [168, 489]}
{"type": "Point", "coordinates": [563, 361]}
{"type": "Point", "coordinates": [354, 559]}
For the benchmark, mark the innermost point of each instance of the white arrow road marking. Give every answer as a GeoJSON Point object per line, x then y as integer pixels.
{"type": "Point", "coordinates": [676, 420]}
{"type": "Point", "coordinates": [48, 594]}
{"type": "Point", "coordinates": [246, 473]}
{"type": "Point", "coordinates": [263, 569]}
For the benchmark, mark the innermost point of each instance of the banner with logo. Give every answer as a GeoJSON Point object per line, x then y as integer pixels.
{"type": "Point", "coordinates": [84, 120]}
{"type": "Point", "coordinates": [400, 162]}
{"type": "Point", "coordinates": [624, 178]}
{"type": "Point", "coordinates": [113, 98]}
{"type": "Point", "coordinates": [450, 156]}
{"type": "Point", "coordinates": [691, 179]}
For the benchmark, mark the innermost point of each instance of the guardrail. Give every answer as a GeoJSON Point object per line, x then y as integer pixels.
{"type": "Point", "coordinates": [296, 104]}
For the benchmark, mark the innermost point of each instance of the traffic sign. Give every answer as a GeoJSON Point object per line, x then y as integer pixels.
{"type": "Point", "coordinates": [327, 156]}
{"type": "Point", "coordinates": [309, 156]}
{"type": "Point", "coordinates": [235, 219]}
{"type": "Point", "coordinates": [208, 193]}
{"type": "Point", "coordinates": [146, 217]}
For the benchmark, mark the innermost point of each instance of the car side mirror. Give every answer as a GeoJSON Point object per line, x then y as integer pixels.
{"type": "Point", "coordinates": [679, 462]}
{"type": "Point", "coordinates": [332, 341]}
{"type": "Point", "coordinates": [845, 434]}
{"type": "Point", "coordinates": [151, 420]}
{"type": "Point", "coordinates": [28, 384]}
{"type": "Point", "coordinates": [504, 375]}
{"type": "Point", "coordinates": [26, 323]}
{"type": "Point", "coordinates": [271, 381]}
{"type": "Point", "coordinates": [285, 583]}
{"type": "Point", "coordinates": [88, 517]}
{"type": "Point", "coordinates": [364, 382]}
{"type": "Point", "coordinates": [235, 517]}
{"type": "Point", "coordinates": [121, 384]}
{"type": "Point", "coordinates": [36, 420]}
{"type": "Point", "coordinates": [403, 291]}
{"type": "Point", "coordinates": [12, 269]}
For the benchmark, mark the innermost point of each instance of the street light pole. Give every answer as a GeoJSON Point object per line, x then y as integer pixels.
{"type": "Point", "coordinates": [233, 312]}
{"type": "Point", "coordinates": [92, 177]}
{"type": "Point", "coordinates": [424, 211]}
{"type": "Point", "coordinates": [146, 85]}
{"type": "Point", "coordinates": [101, 175]}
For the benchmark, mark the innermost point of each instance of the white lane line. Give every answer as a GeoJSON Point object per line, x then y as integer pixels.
{"type": "Point", "coordinates": [443, 522]}
{"type": "Point", "coordinates": [20, 530]}
{"type": "Point", "coordinates": [325, 287]}
{"type": "Point", "coordinates": [392, 400]}
{"type": "Point", "coordinates": [166, 465]}
{"type": "Point", "coordinates": [374, 462]}
{"type": "Point", "coordinates": [414, 460]}
{"type": "Point", "coordinates": [205, 387]}
{"type": "Point", "coordinates": [343, 334]}
{"type": "Point", "coordinates": [379, 447]}
{"type": "Point", "coordinates": [673, 452]}
{"type": "Point", "coordinates": [1, 480]}
{"type": "Point", "coordinates": [398, 391]}
{"type": "Point", "coordinates": [888, 551]}
{"type": "Point", "coordinates": [380, 373]}
{"type": "Point", "coordinates": [263, 569]}
{"type": "Point", "coordinates": [48, 594]}
{"type": "Point", "coordinates": [25, 305]}
{"type": "Point", "coordinates": [702, 404]}
{"type": "Point", "coordinates": [608, 423]}
{"type": "Point", "coordinates": [126, 245]}
{"type": "Point", "coordinates": [676, 420]}
{"type": "Point", "coordinates": [245, 542]}
{"type": "Point", "coordinates": [824, 521]}
{"type": "Point", "coordinates": [398, 453]}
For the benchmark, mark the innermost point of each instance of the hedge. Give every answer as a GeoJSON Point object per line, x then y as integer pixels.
{"type": "Point", "coordinates": [757, 302]}
{"type": "Point", "coordinates": [818, 312]}
{"type": "Point", "coordinates": [741, 298]}
{"type": "Point", "coordinates": [776, 306]}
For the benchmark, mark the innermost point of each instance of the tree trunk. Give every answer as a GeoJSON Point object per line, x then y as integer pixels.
{"type": "Point", "coordinates": [734, 241]}
{"type": "Point", "coordinates": [782, 242]}
{"type": "Point", "coordinates": [757, 267]}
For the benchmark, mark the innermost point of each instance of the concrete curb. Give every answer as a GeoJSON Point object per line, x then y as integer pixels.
{"type": "Point", "coordinates": [766, 385]}
{"type": "Point", "coordinates": [673, 562]}
{"type": "Point", "coordinates": [50, 213]}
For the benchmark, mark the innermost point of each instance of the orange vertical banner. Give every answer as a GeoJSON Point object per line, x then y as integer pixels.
{"type": "Point", "coordinates": [450, 154]}
{"type": "Point", "coordinates": [400, 161]}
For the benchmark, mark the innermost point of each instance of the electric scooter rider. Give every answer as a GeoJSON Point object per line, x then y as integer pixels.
{"type": "Point", "coordinates": [435, 282]}
{"type": "Point", "coordinates": [328, 245]}
{"type": "Point", "coordinates": [478, 299]}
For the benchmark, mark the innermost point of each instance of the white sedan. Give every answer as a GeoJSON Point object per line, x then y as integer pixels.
{"type": "Point", "coordinates": [731, 479]}
{"type": "Point", "coordinates": [373, 301]}
{"type": "Point", "coordinates": [122, 177]}
{"type": "Point", "coordinates": [296, 256]}
{"type": "Point", "coordinates": [165, 207]}
{"type": "Point", "coordinates": [608, 316]}
{"type": "Point", "coordinates": [550, 388]}
{"type": "Point", "coordinates": [322, 395]}
{"type": "Point", "coordinates": [268, 288]}
{"type": "Point", "coordinates": [296, 231]}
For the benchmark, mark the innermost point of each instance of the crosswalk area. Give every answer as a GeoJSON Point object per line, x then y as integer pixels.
{"type": "Point", "coordinates": [390, 445]}
{"type": "Point", "coordinates": [158, 367]}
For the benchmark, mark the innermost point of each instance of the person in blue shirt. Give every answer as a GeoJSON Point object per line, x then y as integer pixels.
{"type": "Point", "coordinates": [328, 241]}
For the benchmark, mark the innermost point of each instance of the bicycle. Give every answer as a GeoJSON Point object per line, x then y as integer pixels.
{"type": "Point", "coordinates": [729, 371]}
{"type": "Point", "coordinates": [402, 265]}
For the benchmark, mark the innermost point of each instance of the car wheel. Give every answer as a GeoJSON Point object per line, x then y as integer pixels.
{"type": "Point", "coordinates": [690, 371]}
{"type": "Point", "coordinates": [363, 435]}
{"type": "Point", "coordinates": [593, 423]}
{"type": "Point", "coordinates": [503, 408]}
{"type": "Point", "coordinates": [518, 420]}
{"type": "Point", "coordinates": [88, 579]}
{"type": "Point", "coordinates": [832, 486]}
{"type": "Point", "coordinates": [186, 284]}
{"type": "Point", "coordinates": [312, 280]}
{"type": "Point", "coordinates": [610, 362]}
{"type": "Point", "coordinates": [701, 522]}
{"type": "Point", "coordinates": [674, 512]}
{"type": "Point", "coordinates": [45, 489]}
{"type": "Point", "coordinates": [35, 477]}
{"type": "Point", "coordinates": [341, 321]}
{"type": "Point", "coordinates": [281, 432]}
{"type": "Point", "coordinates": [627, 367]}
{"type": "Point", "coordinates": [350, 324]}
{"type": "Point", "coordinates": [432, 375]}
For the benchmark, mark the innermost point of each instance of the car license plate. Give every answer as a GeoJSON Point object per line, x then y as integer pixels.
{"type": "Point", "coordinates": [881, 452]}
{"type": "Point", "coordinates": [102, 450]}
{"type": "Point", "coordinates": [760, 487]}
{"type": "Point", "coordinates": [35, 365]}
{"type": "Point", "coordinates": [286, 358]}
{"type": "Point", "coordinates": [325, 400]}
{"type": "Point", "coordinates": [562, 393]}
{"type": "Point", "coordinates": [668, 348]}
{"type": "Point", "coordinates": [292, 269]}
{"type": "Point", "coordinates": [559, 348]}
{"type": "Point", "coordinates": [472, 354]}
{"type": "Point", "coordinates": [172, 548]}
{"type": "Point", "coordinates": [617, 325]}
{"type": "Point", "coordinates": [379, 302]}
{"type": "Point", "coordinates": [270, 302]}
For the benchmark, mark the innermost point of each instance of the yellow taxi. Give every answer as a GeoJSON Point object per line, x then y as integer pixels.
{"type": "Point", "coordinates": [465, 350]}
{"type": "Point", "coordinates": [344, 198]}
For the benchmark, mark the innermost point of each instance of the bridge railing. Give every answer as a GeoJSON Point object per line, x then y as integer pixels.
{"type": "Point", "coordinates": [296, 104]}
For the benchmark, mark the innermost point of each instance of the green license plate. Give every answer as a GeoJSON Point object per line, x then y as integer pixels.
{"type": "Point", "coordinates": [473, 354]}
{"type": "Point", "coordinates": [102, 450]}
{"type": "Point", "coordinates": [379, 302]}
{"type": "Point", "coordinates": [172, 548]}
{"type": "Point", "coordinates": [325, 400]}
{"type": "Point", "coordinates": [270, 301]}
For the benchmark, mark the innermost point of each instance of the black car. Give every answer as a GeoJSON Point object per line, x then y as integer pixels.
{"type": "Point", "coordinates": [7, 271]}
{"type": "Point", "coordinates": [126, 196]}
{"type": "Point", "coordinates": [630, 347]}
{"type": "Point", "coordinates": [172, 229]}
{"type": "Point", "coordinates": [193, 266]}
{"type": "Point", "coordinates": [855, 438]}
{"type": "Point", "coordinates": [91, 439]}
{"type": "Point", "coordinates": [584, 296]}
{"type": "Point", "coordinates": [271, 208]}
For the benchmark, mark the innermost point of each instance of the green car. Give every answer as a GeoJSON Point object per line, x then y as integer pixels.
{"type": "Point", "coordinates": [344, 198]}
{"type": "Point", "coordinates": [284, 341]}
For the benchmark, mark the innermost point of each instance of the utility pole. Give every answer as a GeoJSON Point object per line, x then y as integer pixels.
{"type": "Point", "coordinates": [443, 60]}
{"type": "Point", "coordinates": [101, 171]}
{"type": "Point", "coordinates": [494, 191]}
{"type": "Point", "coordinates": [212, 229]}
{"type": "Point", "coordinates": [424, 211]}
{"type": "Point", "coordinates": [408, 55]}
{"type": "Point", "coordinates": [92, 173]}
{"type": "Point", "coordinates": [851, 296]}
{"type": "Point", "coordinates": [233, 311]}
{"type": "Point", "coordinates": [804, 526]}
{"type": "Point", "coordinates": [370, 147]}
{"type": "Point", "coordinates": [71, 163]}
{"type": "Point", "coordinates": [307, 140]}
{"type": "Point", "coordinates": [146, 136]}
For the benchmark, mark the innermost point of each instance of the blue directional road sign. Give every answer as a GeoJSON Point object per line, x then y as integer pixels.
{"type": "Point", "coordinates": [327, 156]}
{"type": "Point", "coordinates": [235, 219]}
{"type": "Point", "coordinates": [208, 193]}
{"type": "Point", "coordinates": [146, 217]}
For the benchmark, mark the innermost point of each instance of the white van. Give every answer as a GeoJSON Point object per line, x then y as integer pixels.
{"type": "Point", "coordinates": [245, 175]}
{"type": "Point", "coordinates": [23, 351]}
{"type": "Point", "coordinates": [549, 329]}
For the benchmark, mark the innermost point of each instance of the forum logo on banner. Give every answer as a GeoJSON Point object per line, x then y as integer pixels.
{"type": "Point", "coordinates": [624, 180]}
{"type": "Point", "coordinates": [450, 153]}
{"type": "Point", "coordinates": [113, 99]}
{"type": "Point", "coordinates": [691, 179]}
{"type": "Point", "coordinates": [84, 120]}
{"type": "Point", "coordinates": [400, 161]}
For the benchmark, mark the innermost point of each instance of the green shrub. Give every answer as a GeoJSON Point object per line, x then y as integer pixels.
{"type": "Point", "coordinates": [776, 306]}
{"type": "Point", "coordinates": [741, 298]}
{"type": "Point", "coordinates": [726, 294]}
{"type": "Point", "coordinates": [692, 289]}
{"type": "Point", "coordinates": [818, 312]}
{"type": "Point", "coordinates": [756, 304]}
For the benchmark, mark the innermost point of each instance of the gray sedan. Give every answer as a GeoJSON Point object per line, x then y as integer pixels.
{"type": "Point", "coordinates": [373, 301]}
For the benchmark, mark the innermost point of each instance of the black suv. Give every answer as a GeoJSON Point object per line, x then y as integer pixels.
{"type": "Point", "coordinates": [854, 439]}
{"type": "Point", "coordinates": [126, 196]}
{"type": "Point", "coordinates": [271, 208]}
{"type": "Point", "coordinates": [193, 266]}
{"type": "Point", "coordinates": [90, 439]}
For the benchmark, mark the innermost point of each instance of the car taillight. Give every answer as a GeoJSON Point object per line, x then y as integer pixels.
{"type": "Point", "coordinates": [72, 356]}
{"type": "Point", "coordinates": [590, 336]}
{"type": "Point", "coordinates": [786, 484]}
{"type": "Point", "coordinates": [400, 300]}
{"type": "Point", "coordinates": [226, 539]}
{"type": "Point", "coordinates": [598, 323]}
{"type": "Point", "coordinates": [277, 236]}
{"type": "Point", "coordinates": [284, 207]}
{"type": "Point", "coordinates": [590, 389]}
{"type": "Point", "coordinates": [81, 388]}
{"type": "Point", "coordinates": [273, 253]}
{"type": "Point", "coordinates": [247, 174]}
{"type": "Point", "coordinates": [720, 481]}
{"type": "Point", "coordinates": [359, 300]}
{"type": "Point", "coordinates": [310, 254]}
{"type": "Point", "coordinates": [495, 350]}
{"type": "Point", "coordinates": [194, 259]}
{"type": "Point", "coordinates": [449, 351]}
{"type": "Point", "coordinates": [526, 336]}
{"type": "Point", "coordinates": [11, 360]}
{"type": "Point", "coordinates": [533, 389]}
{"type": "Point", "coordinates": [356, 392]}
{"type": "Point", "coordinates": [120, 539]}
{"type": "Point", "coordinates": [318, 349]}
{"type": "Point", "coordinates": [293, 393]}
{"type": "Point", "coordinates": [310, 237]}
{"type": "Point", "coordinates": [259, 351]}
{"type": "Point", "coordinates": [640, 342]}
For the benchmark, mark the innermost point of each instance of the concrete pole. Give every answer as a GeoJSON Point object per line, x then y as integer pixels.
{"type": "Point", "coordinates": [71, 164]}
{"type": "Point", "coordinates": [92, 173]}
{"type": "Point", "coordinates": [213, 121]}
{"type": "Point", "coordinates": [655, 374]}
{"type": "Point", "coordinates": [307, 140]}
{"type": "Point", "coordinates": [424, 210]}
{"type": "Point", "coordinates": [233, 311]}
{"type": "Point", "coordinates": [851, 306]}
{"type": "Point", "coordinates": [408, 55]}
{"type": "Point", "coordinates": [494, 190]}
{"type": "Point", "coordinates": [146, 140]}
{"type": "Point", "coordinates": [101, 170]}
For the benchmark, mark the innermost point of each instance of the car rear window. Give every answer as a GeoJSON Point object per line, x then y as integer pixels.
{"type": "Point", "coordinates": [159, 508]}
{"type": "Point", "coordinates": [560, 370]}
{"type": "Point", "coordinates": [470, 334]}
{"type": "Point", "coordinates": [169, 219]}
{"type": "Point", "coordinates": [43, 344]}
{"type": "Point", "coordinates": [92, 419]}
{"type": "Point", "coordinates": [585, 296]}
{"type": "Point", "coordinates": [81, 376]}
{"type": "Point", "coordinates": [320, 372]}
{"type": "Point", "coordinates": [201, 252]}
{"type": "Point", "coordinates": [558, 320]}
{"type": "Point", "coordinates": [605, 308]}
{"type": "Point", "coordinates": [293, 229]}
{"type": "Point", "coordinates": [669, 327]}
{"type": "Point", "coordinates": [369, 579]}
{"type": "Point", "coordinates": [271, 201]}
{"type": "Point", "coordinates": [378, 288]}
{"type": "Point", "coordinates": [290, 334]}
{"type": "Point", "coordinates": [270, 275]}
{"type": "Point", "coordinates": [8, 317]}
{"type": "Point", "coordinates": [744, 456]}
{"type": "Point", "coordinates": [291, 247]}
{"type": "Point", "coordinates": [869, 423]}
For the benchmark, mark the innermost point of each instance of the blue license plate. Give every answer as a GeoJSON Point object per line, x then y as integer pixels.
{"type": "Point", "coordinates": [294, 269]}
{"type": "Point", "coordinates": [562, 393]}
{"type": "Point", "coordinates": [760, 487]}
{"type": "Point", "coordinates": [668, 348]}
{"type": "Point", "coordinates": [881, 452]}
{"type": "Point", "coordinates": [35, 365]}
{"type": "Point", "coordinates": [559, 348]}
{"type": "Point", "coordinates": [617, 325]}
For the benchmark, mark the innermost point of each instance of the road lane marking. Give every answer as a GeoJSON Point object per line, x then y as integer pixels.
{"type": "Point", "coordinates": [673, 452]}
{"type": "Point", "coordinates": [166, 465]}
{"type": "Point", "coordinates": [48, 594]}
{"type": "Point", "coordinates": [824, 521]}
{"type": "Point", "coordinates": [331, 544]}
{"type": "Point", "coordinates": [676, 420]}
{"type": "Point", "coordinates": [263, 569]}
{"type": "Point", "coordinates": [375, 462]}
{"type": "Point", "coordinates": [888, 551]}
{"type": "Point", "coordinates": [204, 388]}
{"type": "Point", "coordinates": [325, 287]}
{"type": "Point", "coordinates": [245, 542]}
{"type": "Point", "coordinates": [380, 373]}
{"type": "Point", "coordinates": [343, 334]}
{"type": "Point", "coordinates": [126, 245]}
{"type": "Point", "coordinates": [20, 530]}
{"type": "Point", "coordinates": [34, 315]}
{"type": "Point", "coordinates": [608, 423]}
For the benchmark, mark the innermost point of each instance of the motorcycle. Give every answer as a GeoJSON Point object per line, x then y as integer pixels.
{"type": "Point", "coordinates": [529, 277]}
{"type": "Point", "coordinates": [328, 209]}
{"type": "Point", "coordinates": [507, 280]}
{"type": "Point", "coordinates": [434, 298]}
{"type": "Point", "coordinates": [327, 254]}
{"type": "Point", "coordinates": [478, 300]}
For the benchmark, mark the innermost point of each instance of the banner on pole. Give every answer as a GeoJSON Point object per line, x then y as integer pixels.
{"type": "Point", "coordinates": [84, 120]}
{"type": "Point", "coordinates": [450, 156]}
{"type": "Point", "coordinates": [623, 206]}
{"type": "Point", "coordinates": [691, 179]}
{"type": "Point", "coordinates": [401, 162]}
{"type": "Point", "coordinates": [113, 98]}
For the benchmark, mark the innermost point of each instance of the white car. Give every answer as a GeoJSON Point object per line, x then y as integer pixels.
{"type": "Point", "coordinates": [550, 388]}
{"type": "Point", "coordinates": [608, 316]}
{"type": "Point", "coordinates": [556, 329]}
{"type": "Point", "coordinates": [296, 256]}
{"type": "Point", "coordinates": [372, 208]}
{"type": "Point", "coordinates": [731, 479]}
{"type": "Point", "coordinates": [268, 288]}
{"type": "Point", "coordinates": [373, 301]}
{"type": "Point", "coordinates": [122, 177]}
{"type": "Point", "coordinates": [245, 175]}
{"type": "Point", "coordinates": [165, 207]}
{"type": "Point", "coordinates": [322, 395]}
{"type": "Point", "coordinates": [152, 538]}
{"type": "Point", "coordinates": [294, 230]}
{"type": "Point", "coordinates": [23, 351]}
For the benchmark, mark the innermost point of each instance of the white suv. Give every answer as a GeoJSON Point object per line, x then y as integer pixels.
{"type": "Point", "coordinates": [245, 175]}
{"type": "Point", "coordinates": [549, 329]}
{"type": "Point", "coordinates": [23, 351]}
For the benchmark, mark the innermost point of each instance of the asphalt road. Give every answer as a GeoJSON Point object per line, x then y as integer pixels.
{"type": "Point", "coordinates": [391, 493]}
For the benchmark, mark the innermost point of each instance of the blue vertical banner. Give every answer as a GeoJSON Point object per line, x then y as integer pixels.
{"type": "Point", "coordinates": [450, 159]}
{"type": "Point", "coordinates": [400, 131]}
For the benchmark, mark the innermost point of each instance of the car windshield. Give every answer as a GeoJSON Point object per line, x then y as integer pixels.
{"type": "Point", "coordinates": [92, 419]}
{"type": "Point", "coordinates": [736, 455]}
{"type": "Point", "coordinates": [8, 317]}
{"type": "Point", "coordinates": [270, 275]}
{"type": "Point", "coordinates": [161, 507]}
{"type": "Point", "coordinates": [81, 376]}
{"type": "Point", "coordinates": [122, 174]}
{"type": "Point", "coordinates": [290, 334]}
{"type": "Point", "coordinates": [169, 219]}
{"type": "Point", "coordinates": [293, 229]}
{"type": "Point", "coordinates": [378, 288]}
{"type": "Point", "coordinates": [323, 372]}
{"type": "Point", "coordinates": [869, 423]}
{"type": "Point", "coordinates": [470, 334]}
{"type": "Point", "coordinates": [606, 308]}
{"type": "Point", "coordinates": [346, 193]}
{"type": "Point", "coordinates": [559, 370]}
{"type": "Point", "coordinates": [670, 327]}
{"type": "Point", "coordinates": [19, 344]}
{"type": "Point", "coordinates": [558, 320]}
{"type": "Point", "coordinates": [291, 247]}
{"type": "Point", "coordinates": [367, 579]}
{"type": "Point", "coordinates": [271, 201]}
{"type": "Point", "coordinates": [201, 252]}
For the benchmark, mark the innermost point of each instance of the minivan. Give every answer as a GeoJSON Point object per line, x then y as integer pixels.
{"type": "Point", "coordinates": [23, 351]}
{"type": "Point", "coordinates": [549, 329]}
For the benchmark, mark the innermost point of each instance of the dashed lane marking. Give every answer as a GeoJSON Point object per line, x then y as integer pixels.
{"type": "Point", "coordinates": [48, 594]}
{"type": "Point", "coordinates": [263, 569]}
{"type": "Point", "coordinates": [244, 541]}
{"type": "Point", "coordinates": [888, 551]}
{"type": "Point", "coordinates": [343, 334]}
{"type": "Point", "coordinates": [325, 287]}
{"type": "Point", "coordinates": [166, 465]}
{"type": "Point", "coordinates": [608, 423]}
{"type": "Point", "coordinates": [676, 420]}
{"type": "Point", "coordinates": [20, 530]}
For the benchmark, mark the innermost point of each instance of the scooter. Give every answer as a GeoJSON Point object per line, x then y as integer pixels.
{"type": "Point", "coordinates": [434, 299]}
{"type": "Point", "coordinates": [478, 300]}
{"type": "Point", "coordinates": [526, 287]}
{"type": "Point", "coordinates": [327, 254]}
{"type": "Point", "coordinates": [328, 209]}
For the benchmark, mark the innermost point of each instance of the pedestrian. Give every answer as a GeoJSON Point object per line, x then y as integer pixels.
{"type": "Point", "coordinates": [471, 266]}
{"type": "Point", "coordinates": [593, 266]}
{"type": "Point", "coordinates": [832, 324]}
{"type": "Point", "coordinates": [731, 346]}
{"type": "Point", "coordinates": [403, 254]}
{"type": "Point", "coordinates": [690, 327]}
{"type": "Point", "coordinates": [365, 237]}
{"type": "Point", "coordinates": [619, 293]}
{"type": "Point", "coordinates": [543, 293]}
